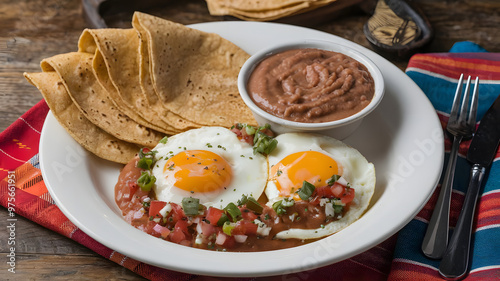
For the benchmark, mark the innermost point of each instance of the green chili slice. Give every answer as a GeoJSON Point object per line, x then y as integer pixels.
{"type": "Point", "coordinates": [280, 206]}
{"type": "Point", "coordinates": [287, 202]}
{"type": "Point", "coordinates": [250, 203]}
{"type": "Point", "coordinates": [250, 130]}
{"type": "Point", "coordinates": [338, 208]}
{"type": "Point", "coordinates": [263, 143]}
{"type": "Point", "coordinates": [243, 200]}
{"type": "Point", "coordinates": [145, 163]}
{"type": "Point", "coordinates": [146, 159]}
{"type": "Point", "coordinates": [253, 205]}
{"type": "Point", "coordinates": [227, 228]}
{"type": "Point", "coordinates": [233, 211]}
{"type": "Point", "coordinates": [146, 181]}
{"type": "Point", "coordinates": [191, 206]}
{"type": "Point", "coordinates": [164, 140]}
{"type": "Point", "coordinates": [222, 220]}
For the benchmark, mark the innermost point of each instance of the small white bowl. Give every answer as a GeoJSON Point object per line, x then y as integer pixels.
{"type": "Point", "coordinates": [338, 129]}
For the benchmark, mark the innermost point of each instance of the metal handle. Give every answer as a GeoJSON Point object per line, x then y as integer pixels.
{"type": "Point", "coordinates": [456, 258]}
{"type": "Point", "coordinates": [436, 236]}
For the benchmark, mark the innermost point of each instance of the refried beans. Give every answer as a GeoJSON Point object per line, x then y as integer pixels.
{"type": "Point", "coordinates": [311, 85]}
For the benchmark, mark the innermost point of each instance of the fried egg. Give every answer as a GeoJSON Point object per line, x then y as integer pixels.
{"type": "Point", "coordinates": [315, 158]}
{"type": "Point", "coordinates": [209, 163]}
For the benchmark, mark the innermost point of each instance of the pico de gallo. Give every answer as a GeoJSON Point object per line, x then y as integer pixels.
{"type": "Point", "coordinates": [246, 225]}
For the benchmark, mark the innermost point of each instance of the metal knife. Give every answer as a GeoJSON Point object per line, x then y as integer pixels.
{"type": "Point", "coordinates": [482, 151]}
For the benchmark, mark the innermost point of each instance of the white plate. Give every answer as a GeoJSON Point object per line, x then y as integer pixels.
{"type": "Point", "coordinates": [402, 137]}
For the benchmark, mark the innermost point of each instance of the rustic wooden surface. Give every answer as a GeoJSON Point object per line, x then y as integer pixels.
{"type": "Point", "coordinates": [31, 30]}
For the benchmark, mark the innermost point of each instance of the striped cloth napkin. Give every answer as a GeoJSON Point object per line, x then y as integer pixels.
{"type": "Point", "coordinates": [437, 75]}
{"type": "Point", "coordinates": [397, 258]}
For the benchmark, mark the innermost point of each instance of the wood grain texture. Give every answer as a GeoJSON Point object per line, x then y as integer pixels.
{"type": "Point", "coordinates": [31, 30]}
{"type": "Point", "coordinates": [42, 254]}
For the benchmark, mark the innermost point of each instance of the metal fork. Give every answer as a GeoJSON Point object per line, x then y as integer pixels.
{"type": "Point", "coordinates": [461, 127]}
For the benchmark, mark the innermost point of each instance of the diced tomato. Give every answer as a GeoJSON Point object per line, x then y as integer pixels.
{"type": "Point", "coordinates": [337, 190]}
{"type": "Point", "coordinates": [180, 232]}
{"type": "Point", "coordinates": [131, 192]}
{"type": "Point", "coordinates": [242, 135]}
{"type": "Point", "coordinates": [245, 227]}
{"type": "Point", "coordinates": [315, 200]}
{"type": "Point", "coordinates": [133, 187]}
{"type": "Point", "coordinates": [163, 231]}
{"type": "Point", "coordinates": [348, 195]}
{"type": "Point", "coordinates": [225, 240]}
{"type": "Point", "coordinates": [213, 215]}
{"type": "Point", "coordinates": [268, 132]}
{"type": "Point", "coordinates": [207, 229]}
{"type": "Point", "coordinates": [177, 236]}
{"type": "Point", "coordinates": [150, 229]}
{"type": "Point", "coordinates": [323, 192]}
{"type": "Point", "coordinates": [237, 132]}
{"type": "Point", "coordinates": [177, 213]}
{"type": "Point", "coordinates": [247, 214]}
{"type": "Point", "coordinates": [185, 243]}
{"type": "Point", "coordinates": [345, 194]}
{"type": "Point", "coordinates": [155, 208]}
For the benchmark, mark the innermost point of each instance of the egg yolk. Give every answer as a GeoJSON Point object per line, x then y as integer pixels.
{"type": "Point", "coordinates": [311, 166]}
{"type": "Point", "coordinates": [198, 171]}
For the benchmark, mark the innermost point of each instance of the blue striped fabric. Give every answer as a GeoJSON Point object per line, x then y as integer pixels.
{"type": "Point", "coordinates": [437, 75]}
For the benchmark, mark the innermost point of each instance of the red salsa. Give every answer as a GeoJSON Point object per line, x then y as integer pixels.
{"type": "Point", "coordinates": [248, 226]}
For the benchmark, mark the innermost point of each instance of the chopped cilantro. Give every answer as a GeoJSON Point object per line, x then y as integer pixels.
{"type": "Point", "coordinates": [333, 179]}
{"type": "Point", "coordinates": [306, 191]}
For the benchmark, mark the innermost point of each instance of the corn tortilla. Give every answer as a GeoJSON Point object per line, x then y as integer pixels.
{"type": "Point", "coordinates": [194, 73]}
{"type": "Point", "coordinates": [75, 71]}
{"type": "Point", "coordinates": [147, 87]}
{"type": "Point", "coordinates": [76, 124]}
{"type": "Point", "coordinates": [115, 66]}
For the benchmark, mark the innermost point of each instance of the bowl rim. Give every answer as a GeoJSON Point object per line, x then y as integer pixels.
{"type": "Point", "coordinates": [250, 64]}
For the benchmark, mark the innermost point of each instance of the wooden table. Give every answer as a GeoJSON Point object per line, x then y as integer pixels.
{"type": "Point", "coordinates": [31, 30]}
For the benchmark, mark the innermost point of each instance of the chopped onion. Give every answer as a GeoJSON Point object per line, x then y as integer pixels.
{"type": "Point", "coordinates": [324, 201]}
{"type": "Point", "coordinates": [221, 238]}
{"type": "Point", "coordinates": [158, 228]}
{"type": "Point", "coordinates": [165, 210]}
{"type": "Point", "coordinates": [329, 211]}
{"type": "Point", "coordinates": [342, 181]}
{"type": "Point", "coordinates": [262, 228]}
{"type": "Point", "coordinates": [164, 232]}
{"type": "Point", "coordinates": [199, 239]}
{"type": "Point", "coordinates": [138, 214]}
{"type": "Point", "coordinates": [240, 238]}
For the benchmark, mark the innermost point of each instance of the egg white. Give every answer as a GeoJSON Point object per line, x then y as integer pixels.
{"type": "Point", "coordinates": [353, 167]}
{"type": "Point", "coordinates": [249, 170]}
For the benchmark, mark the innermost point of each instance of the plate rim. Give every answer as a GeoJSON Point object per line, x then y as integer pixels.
{"type": "Point", "coordinates": [235, 272]}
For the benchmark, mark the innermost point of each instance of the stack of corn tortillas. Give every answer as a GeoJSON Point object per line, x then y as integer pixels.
{"type": "Point", "coordinates": [263, 10]}
{"type": "Point", "coordinates": [128, 88]}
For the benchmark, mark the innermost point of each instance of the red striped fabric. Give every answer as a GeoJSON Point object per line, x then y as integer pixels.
{"type": "Point", "coordinates": [452, 65]}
